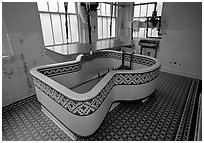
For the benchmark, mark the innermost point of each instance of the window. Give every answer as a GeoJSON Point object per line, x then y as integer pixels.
{"type": "Point", "coordinates": [53, 23]}
{"type": "Point", "coordinates": [141, 12]}
{"type": "Point", "coordinates": [107, 19]}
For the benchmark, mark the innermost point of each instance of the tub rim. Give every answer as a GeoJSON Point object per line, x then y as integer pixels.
{"type": "Point", "coordinates": [98, 87]}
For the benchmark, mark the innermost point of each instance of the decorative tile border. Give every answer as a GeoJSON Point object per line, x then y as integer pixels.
{"type": "Point", "coordinates": [85, 108]}
{"type": "Point", "coordinates": [185, 123]}
{"type": "Point", "coordinates": [69, 68]}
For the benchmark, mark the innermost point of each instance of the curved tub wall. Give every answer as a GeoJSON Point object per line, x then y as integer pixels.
{"type": "Point", "coordinates": [83, 113]}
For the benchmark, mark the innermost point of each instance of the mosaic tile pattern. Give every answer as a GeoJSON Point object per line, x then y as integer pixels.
{"type": "Point", "coordinates": [84, 108]}
{"type": "Point", "coordinates": [24, 121]}
{"type": "Point", "coordinates": [69, 68]}
{"type": "Point", "coordinates": [158, 118]}
{"type": "Point", "coordinates": [184, 128]}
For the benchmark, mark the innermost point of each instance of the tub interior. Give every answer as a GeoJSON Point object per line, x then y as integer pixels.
{"type": "Point", "coordinates": [85, 79]}
{"type": "Point", "coordinates": [86, 87]}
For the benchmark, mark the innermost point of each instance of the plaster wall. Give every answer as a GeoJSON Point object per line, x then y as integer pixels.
{"type": "Point", "coordinates": [181, 43]}
{"type": "Point", "coordinates": [22, 37]}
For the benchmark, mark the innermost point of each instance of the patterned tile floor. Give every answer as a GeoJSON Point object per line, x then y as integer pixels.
{"type": "Point", "coordinates": [158, 118]}
{"type": "Point", "coordinates": [25, 121]}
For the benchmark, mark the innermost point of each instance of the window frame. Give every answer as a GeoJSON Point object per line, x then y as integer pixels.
{"type": "Point", "coordinates": [115, 16]}
{"type": "Point", "coordinates": [60, 14]}
{"type": "Point", "coordinates": [144, 17]}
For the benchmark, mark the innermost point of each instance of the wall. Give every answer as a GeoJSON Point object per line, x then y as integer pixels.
{"type": "Point", "coordinates": [181, 44]}
{"type": "Point", "coordinates": [22, 36]}
{"type": "Point", "coordinates": [125, 14]}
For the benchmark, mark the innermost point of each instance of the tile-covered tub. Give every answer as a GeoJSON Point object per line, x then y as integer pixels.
{"type": "Point", "coordinates": [79, 94]}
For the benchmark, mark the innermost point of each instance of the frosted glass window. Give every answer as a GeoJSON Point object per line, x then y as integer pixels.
{"type": "Point", "coordinates": [46, 29]}
{"type": "Point", "coordinates": [113, 28]}
{"type": "Point", "coordinates": [99, 9]}
{"type": "Point", "coordinates": [104, 20]}
{"type": "Point", "coordinates": [57, 28]}
{"type": "Point", "coordinates": [74, 28]}
{"type": "Point", "coordinates": [143, 10]}
{"type": "Point", "coordinates": [159, 8]}
{"type": "Point", "coordinates": [108, 25]}
{"type": "Point", "coordinates": [42, 6]}
{"type": "Point", "coordinates": [53, 25]}
{"type": "Point", "coordinates": [150, 9]}
{"type": "Point", "coordinates": [103, 9]}
{"type": "Point", "coordinates": [71, 7]}
{"type": "Point", "coordinates": [108, 9]}
{"type": "Point", "coordinates": [141, 32]}
{"type": "Point", "coordinates": [69, 28]}
{"type": "Point", "coordinates": [115, 11]}
{"type": "Point", "coordinates": [100, 28]}
{"type": "Point", "coordinates": [53, 6]}
{"type": "Point", "coordinates": [136, 11]}
{"type": "Point", "coordinates": [63, 28]}
{"type": "Point", "coordinates": [61, 7]}
{"type": "Point", "coordinates": [146, 11]}
{"type": "Point", "coordinates": [154, 32]}
{"type": "Point", "coordinates": [105, 28]}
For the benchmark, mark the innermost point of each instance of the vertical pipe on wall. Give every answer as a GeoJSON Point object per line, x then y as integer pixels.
{"type": "Point", "coordinates": [111, 19]}
{"type": "Point", "coordinates": [65, 6]}
{"type": "Point", "coordinates": [89, 21]}
{"type": "Point", "coordinates": [51, 25]}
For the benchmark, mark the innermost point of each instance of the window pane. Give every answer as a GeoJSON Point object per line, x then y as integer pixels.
{"type": "Point", "coordinates": [143, 10]}
{"type": "Point", "coordinates": [46, 29]}
{"type": "Point", "coordinates": [113, 27]}
{"type": "Point", "coordinates": [99, 9]}
{"type": "Point", "coordinates": [108, 24]}
{"type": "Point", "coordinates": [108, 10]}
{"type": "Point", "coordinates": [159, 8]}
{"type": "Point", "coordinates": [69, 28]}
{"type": "Point", "coordinates": [100, 28]}
{"type": "Point", "coordinates": [63, 28]}
{"type": "Point", "coordinates": [141, 33]}
{"type": "Point", "coordinates": [57, 29]}
{"type": "Point", "coordinates": [150, 9]}
{"type": "Point", "coordinates": [136, 11]}
{"type": "Point", "coordinates": [74, 28]}
{"type": "Point", "coordinates": [116, 11]}
{"type": "Point", "coordinates": [61, 7]}
{"type": "Point", "coordinates": [103, 10]}
{"type": "Point", "coordinates": [53, 7]}
{"type": "Point", "coordinates": [105, 28]}
{"type": "Point", "coordinates": [154, 32]}
{"type": "Point", "coordinates": [42, 6]}
{"type": "Point", "coordinates": [71, 7]}
{"type": "Point", "coordinates": [149, 32]}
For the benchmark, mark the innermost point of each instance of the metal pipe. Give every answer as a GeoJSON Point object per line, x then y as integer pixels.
{"type": "Point", "coordinates": [111, 19]}
{"type": "Point", "coordinates": [65, 6]}
{"type": "Point", "coordinates": [89, 21]}
{"type": "Point", "coordinates": [123, 58]}
{"type": "Point", "coordinates": [145, 3]}
{"type": "Point", "coordinates": [131, 60]}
